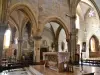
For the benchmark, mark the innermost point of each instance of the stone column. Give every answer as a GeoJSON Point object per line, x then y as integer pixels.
{"type": "Point", "coordinates": [73, 38]}
{"type": "Point", "coordinates": [3, 25]}
{"type": "Point", "coordinates": [68, 44]}
{"type": "Point", "coordinates": [2, 32]}
{"type": "Point", "coordinates": [37, 41]}
{"type": "Point", "coordinates": [19, 51]}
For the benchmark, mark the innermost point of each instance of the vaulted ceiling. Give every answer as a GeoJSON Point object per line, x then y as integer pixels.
{"type": "Point", "coordinates": [17, 18]}
{"type": "Point", "coordinates": [84, 7]}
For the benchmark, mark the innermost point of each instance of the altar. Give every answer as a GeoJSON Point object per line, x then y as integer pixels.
{"type": "Point", "coordinates": [56, 60]}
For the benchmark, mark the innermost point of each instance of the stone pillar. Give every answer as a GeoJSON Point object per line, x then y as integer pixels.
{"type": "Point", "coordinates": [73, 46]}
{"type": "Point", "coordinates": [19, 51]}
{"type": "Point", "coordinates": [3, 27]}
{"type": "Point", "coordinates": [37, 49]}
{"type": "Point", "coordinates": [68, 44]}
{"type": "Point", "coordinates": [73, 38]}
{"type": "Point", "coordinates": [2, 32]}
{"type": "Point", "coordinates": [56, 45]}
{"type": "Point", "coordinates": [3, 10]}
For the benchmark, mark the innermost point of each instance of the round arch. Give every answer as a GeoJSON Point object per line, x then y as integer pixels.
{"type": "Point", "coordinates": [60, 22]}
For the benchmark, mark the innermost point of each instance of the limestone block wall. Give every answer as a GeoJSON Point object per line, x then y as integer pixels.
{"type": "Point", "coordinates": [53, 8]}
{"type": "Point", "coordinates": [46, 9]}
{"type": "Point", "coordinates": [90, 26]}
{"type": "Point", "coordinates": [81, 34]}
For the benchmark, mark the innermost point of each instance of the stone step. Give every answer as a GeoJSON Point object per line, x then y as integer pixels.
{"type": "Point", "coordinates": [34, 71]}
{"type": "Point", "coordinates": [28, 71]}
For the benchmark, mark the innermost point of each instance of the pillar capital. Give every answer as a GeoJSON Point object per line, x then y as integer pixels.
{"type": "Point", "coordinates": [37, 37]}
{"type": "Point", "coordinates": [71, 16]}
{"type": "Point", "coordinates": [67, 39]}
{"type": "Point", "coordinates": [20, 40]}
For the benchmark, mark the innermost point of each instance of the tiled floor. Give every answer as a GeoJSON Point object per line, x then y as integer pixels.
{"type": "Point", "coordinates": [14, 72]}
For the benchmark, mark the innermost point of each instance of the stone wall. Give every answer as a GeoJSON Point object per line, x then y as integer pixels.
{"type": "Point", "coordinates": [88, 27]}
{"type": "Point", "coordinates": [46, 9]}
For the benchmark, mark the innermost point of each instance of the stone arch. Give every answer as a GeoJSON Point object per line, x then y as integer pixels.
{"type": "Point", "coordinates": [96, 43]}
{"type": "Point", "coordinates": [60, 22]}
{"type": "Point", "coordinates": [24, 25]}
{"type": "Point", "coordinates": [26, 9]}
{"type": "Point", "coordinates": [13, 28]}
{"type": "Point", "coordinates": [10, 24]}
{"type": "Point", "coordinates": [87, 13]}
{"type": "Point", "coordinates": [57, 35]}
{"type": "Point", "coordinates": [58, 31]}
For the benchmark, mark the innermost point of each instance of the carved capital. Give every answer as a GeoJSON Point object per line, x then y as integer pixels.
{"type": "Point", "coordinates": [71, 16]}
{"type": "Point", "coordinates": [37, 37]}
{"type": "Point", "coordinates": [20, 40]}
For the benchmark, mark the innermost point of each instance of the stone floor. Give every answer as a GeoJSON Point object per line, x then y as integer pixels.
{"type": "Point", "coordinates": [19, 71]}
{"type": "Point", "coordinates": [78, 70]}
{"type": "Point", "coordinates": [87, 69]}
{"type": "Point", "coordinates": [41, 71]}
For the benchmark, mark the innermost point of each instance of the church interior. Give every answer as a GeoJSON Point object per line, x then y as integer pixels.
{"type": "Point", "coordinates": [49, 37]}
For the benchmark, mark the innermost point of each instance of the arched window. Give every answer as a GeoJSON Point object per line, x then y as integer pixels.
{"type": "Point", "coordinates": [91, 13]}
{"type": "Point", "coordinates": [7, 36]}
{"type": "Point", "coordinates": [94, 44]}
{"type": "Point", "coordinates": [77, 22]}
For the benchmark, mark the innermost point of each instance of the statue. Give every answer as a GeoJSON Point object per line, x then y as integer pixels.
{"type": "Point", "coordinates": [62, 45]}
